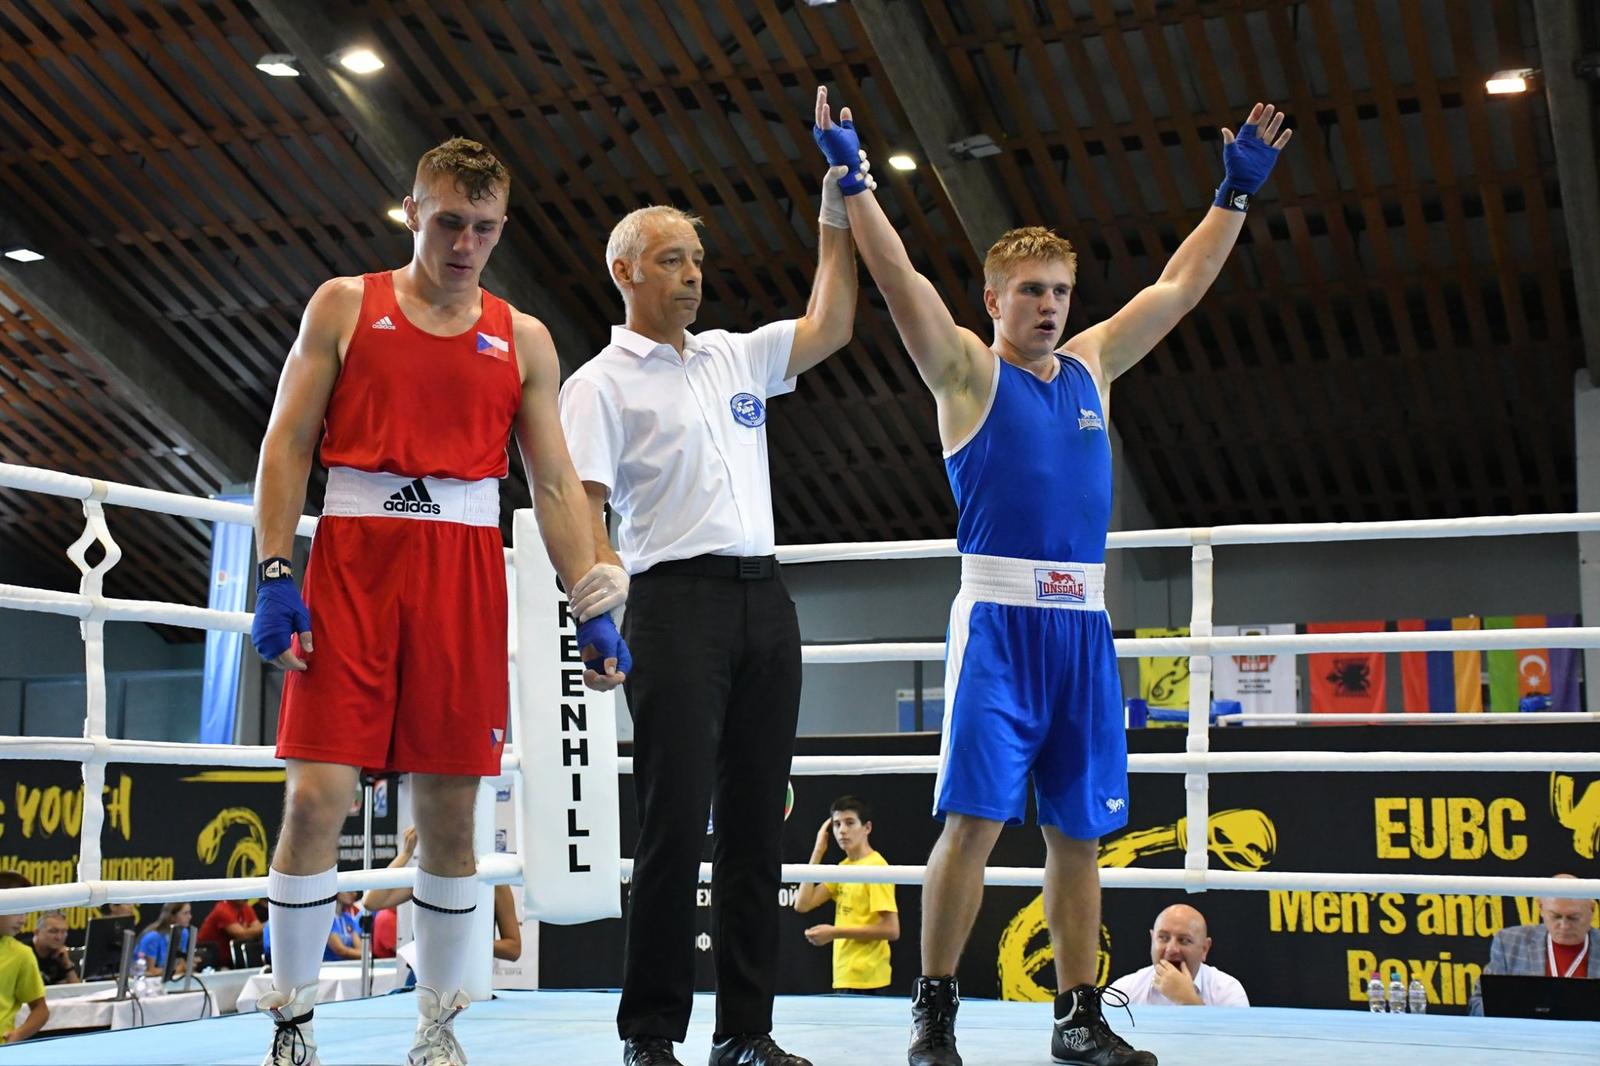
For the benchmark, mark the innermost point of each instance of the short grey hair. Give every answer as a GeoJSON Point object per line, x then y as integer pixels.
{"type": "Point", "coordinates": [627, 238]}
{"type": "Point", "coordinates": [52, 914]}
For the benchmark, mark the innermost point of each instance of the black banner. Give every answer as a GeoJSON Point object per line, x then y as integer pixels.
{"type": "Point", "coordinates": [161, 823]}
{"type": "Point", "coordinates": [1292, 949]}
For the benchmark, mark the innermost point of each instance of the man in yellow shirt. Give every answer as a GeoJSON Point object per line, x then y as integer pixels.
{"type": "Point", "coordinates": [20, 981]}
{"type": "Point", "coordinates": [866, 918]}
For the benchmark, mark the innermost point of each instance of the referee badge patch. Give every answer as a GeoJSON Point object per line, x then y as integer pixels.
{"type": "Point", "coordinates": [1060, 586]}
{"type": "Point", "coordinates": [748, 410]}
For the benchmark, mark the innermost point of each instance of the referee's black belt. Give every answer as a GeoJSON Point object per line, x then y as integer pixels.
{"type": "Point", "coordinates": [733, 567]}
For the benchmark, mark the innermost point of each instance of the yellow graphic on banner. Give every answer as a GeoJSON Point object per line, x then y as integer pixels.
{"type": "Point", "coordinates": [1164, 679]}
{"type": "Point", "coordinates": [1241, 839]}
{"type": "Point", "coordinates": [1581, 815]}
{"type": "Point", "coordinates": [249, 856]}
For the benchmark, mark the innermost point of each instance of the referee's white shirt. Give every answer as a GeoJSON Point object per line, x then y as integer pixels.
{"type": "Point", "coordinates": [681, 444]}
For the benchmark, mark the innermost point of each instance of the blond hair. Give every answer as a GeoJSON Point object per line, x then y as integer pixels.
{"type": "Point", "coordinates": [477, 172]}
{"type": "Point", "coordinates": [628, 240]}
{"type": "Point", "coordinates": [1029, 243]}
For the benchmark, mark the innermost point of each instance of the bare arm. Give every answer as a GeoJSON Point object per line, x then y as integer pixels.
{"type": "Point", "coordinates": [508, 944]}
{"type": "Point", "coordinates": [884, 926]}
{"type": "Point", "coordinates": [379, 898]}
{"type": "Point", "coordinates": [812, 895]}
{"type": "Point", "coordinates": [295, 426]}
{"type": "Point", "coordinates": [341, 949]}
{"type": "Point", "coordinates": [38, 1014]}
{"type": "Point", "coordinates": [603, 551]}
{"type": "Point", "coordinates": [1118, 343]}
{"type": "Point", "coordinates": [831, 312]}
{"type": "Point", "coordinates": [559, 501]}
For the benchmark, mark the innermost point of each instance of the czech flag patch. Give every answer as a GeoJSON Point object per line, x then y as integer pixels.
{"type": "Point", "coordinates": [489, 344]}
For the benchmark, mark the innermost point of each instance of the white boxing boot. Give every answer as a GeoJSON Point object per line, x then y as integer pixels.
{"type": "Point", "coordinates": [435, 1043]}
{"type": "Point", "coordinates": [294, 1043]}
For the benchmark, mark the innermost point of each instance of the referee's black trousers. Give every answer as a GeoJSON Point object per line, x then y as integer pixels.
{"type": "Point", "coordinates": [715, 695]}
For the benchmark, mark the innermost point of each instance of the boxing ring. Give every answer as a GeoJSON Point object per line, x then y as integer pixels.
{"type": "Point", "coordinates": [576, 1028]}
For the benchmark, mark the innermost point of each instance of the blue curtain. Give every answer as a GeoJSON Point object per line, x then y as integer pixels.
{"type": "Point", "coordinates": [230, 584]}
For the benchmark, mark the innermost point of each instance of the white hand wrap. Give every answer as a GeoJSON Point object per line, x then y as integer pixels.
{"type": "Point", "coordinates": [604, 588]}
{"type": "Point", "coordinates": [833, 209]}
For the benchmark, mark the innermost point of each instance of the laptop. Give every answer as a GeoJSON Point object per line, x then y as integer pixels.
{"type": "Point", "coordinates": [102, 946]}
{"type": "Point", "coordinates": [1572, 999]}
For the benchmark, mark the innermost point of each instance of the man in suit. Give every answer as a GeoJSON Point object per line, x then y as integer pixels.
{"type": "Point", "coordinates": [1565, 943]}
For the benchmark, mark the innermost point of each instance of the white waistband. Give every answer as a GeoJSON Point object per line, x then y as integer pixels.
{"type": "Point", "coordinates": [1034, 583]}
{"type": "Point", "coordinates": [362, 493]}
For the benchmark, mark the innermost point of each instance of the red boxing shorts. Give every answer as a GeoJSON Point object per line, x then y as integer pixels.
{"type": "Point", "coordinates": [407, 590]}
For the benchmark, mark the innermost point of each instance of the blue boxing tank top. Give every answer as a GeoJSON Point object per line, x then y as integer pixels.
{"type": "Point", "coordinates": [1034, 479]}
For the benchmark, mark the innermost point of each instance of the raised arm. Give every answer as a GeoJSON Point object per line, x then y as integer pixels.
{"type": "Point", "coordinates": [831, 311]}
{"type": "Point", "coordinates": [936, 344]}
{"type": "Point", "coordinates": [1129, 335]}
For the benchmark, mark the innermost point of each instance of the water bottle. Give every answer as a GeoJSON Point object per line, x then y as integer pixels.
{"type": "Point", "coordinates": [137, 978]}
{"type": "Point", "coordinates": [1397, 994]}
{"type": "Point", "coordinates": [1375, 1002]}
{"type": "Point", "coordinates": [1416, 998]}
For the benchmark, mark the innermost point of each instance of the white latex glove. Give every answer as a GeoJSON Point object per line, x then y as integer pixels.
{"type": "Point", "coordinates": [603, 588]}
{"type": "Point", "coordinates": [833, 209]}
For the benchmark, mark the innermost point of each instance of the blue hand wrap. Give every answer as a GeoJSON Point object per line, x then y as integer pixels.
{"type": "Point", "coordinates": [280, 614]}
{"type": "Point", "coordinates": [842, 148]}
{"type": "Point", "coordinates": [1245, 165]}
{"type": "Point", "coordinates": [601, 632]}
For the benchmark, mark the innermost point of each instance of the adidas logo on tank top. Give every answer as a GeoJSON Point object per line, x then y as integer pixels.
{"type": "Point", "coordinates": [413, 499]}
{"type": "Point", "coordinates": [384, 323]}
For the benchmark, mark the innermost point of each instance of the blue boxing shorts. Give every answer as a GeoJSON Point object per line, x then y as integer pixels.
{"type": "Point", "coordinates": [1032, 690]}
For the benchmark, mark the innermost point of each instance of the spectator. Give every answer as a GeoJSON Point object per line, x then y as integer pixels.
{"type": "Point", "coordinates": [20, 981]}
{"type": "Point", "coordinates": [152, 943]}
{"type": "Point", "coordinates": [229, 922]}
{"type": "Point", "coordinates": [344, 941]}
{"type": "Point", "coordinates": [865, 916]}
{"type": "Point", "coordinates": [49, 942]}
{"type": "Point", "coordinates": [1178, 973]}
{"type": "Point", "coordinates": [1565, 943]}
{"type": "Point", "coordinates": [507, 928]}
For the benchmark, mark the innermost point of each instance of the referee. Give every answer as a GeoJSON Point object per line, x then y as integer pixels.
{"type": "Point", "coordinates": [670, 426]}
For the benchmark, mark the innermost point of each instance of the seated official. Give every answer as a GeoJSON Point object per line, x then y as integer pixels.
{"type": "Point", "coordinates": [49, 943]}
{"type": "Point", "coordinates": [1565, 943]}
{"type": "Point", "coordinates": [230, 921]}
{"type": "Point", "coordinates": [1178, 973]}
{"type": "Point", "coordinates": [152, 945]}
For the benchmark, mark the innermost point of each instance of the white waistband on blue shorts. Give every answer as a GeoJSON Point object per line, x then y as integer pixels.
{"type": "Point", "coordinates": [364, 494]}
{"type": "Point", "coordinates": [1034, 583]}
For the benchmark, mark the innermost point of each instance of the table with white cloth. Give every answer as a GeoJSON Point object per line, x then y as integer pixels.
{"type": "Point", "coordinates": [93, 1004]}
{"type": "Point", "coordinates": [338, 980]}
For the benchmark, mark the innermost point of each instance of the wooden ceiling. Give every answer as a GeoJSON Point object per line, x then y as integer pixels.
{"type": "Point", "coordinates": [1395, 337]}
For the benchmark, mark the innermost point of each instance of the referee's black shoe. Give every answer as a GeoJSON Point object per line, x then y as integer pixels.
{"type": "Point", "coordinates": [751, 1049]}
{"type": "Point", "coordinates": [648, 1051]}
{"type": "Point", "coordinates": [1083, 1038]}
{"type": "Point", "coordinates": [933, 1022]}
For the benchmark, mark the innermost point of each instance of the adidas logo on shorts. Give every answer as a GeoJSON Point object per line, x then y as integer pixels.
{"type": "Point", "coordinates": [384, 323]}
{"type": "Point", "coordinates": [413, 499]}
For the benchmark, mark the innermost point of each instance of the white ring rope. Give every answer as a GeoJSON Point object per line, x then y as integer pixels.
{"type": "Point", "coordinates": [95, 749]}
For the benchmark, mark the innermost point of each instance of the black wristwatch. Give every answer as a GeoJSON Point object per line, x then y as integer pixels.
{"type": "Point", "coordinates": [274, 568]}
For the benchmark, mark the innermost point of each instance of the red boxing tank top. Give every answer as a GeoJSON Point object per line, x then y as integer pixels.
{"type": "Point", "coordinates": [412, 403]}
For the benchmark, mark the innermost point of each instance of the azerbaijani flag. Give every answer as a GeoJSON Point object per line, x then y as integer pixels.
{"type": "Point", "coordinates": [1441, 681]}
{"type": "Point", "coordinates": [1514, 674]}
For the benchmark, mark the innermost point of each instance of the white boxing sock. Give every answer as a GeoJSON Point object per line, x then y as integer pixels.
{"type": "Point", "coordinates": [443, 921]}
{"type": "Point", "coordinates": [300, 909]}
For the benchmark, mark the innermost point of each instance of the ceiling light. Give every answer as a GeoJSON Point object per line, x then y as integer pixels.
{"type": "Point", "coordinates": [901, 161]}
{"type": "Point", "coordinates": [360, 60]}
{"type": "Point", "coordinates": [1504, 82]}
{"type": "Point", "coordinates": [23, 255]}
{"type": "Point", "coordinates": [278, 64]}
{"type": "Point", "coordinates": [397, 214]}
